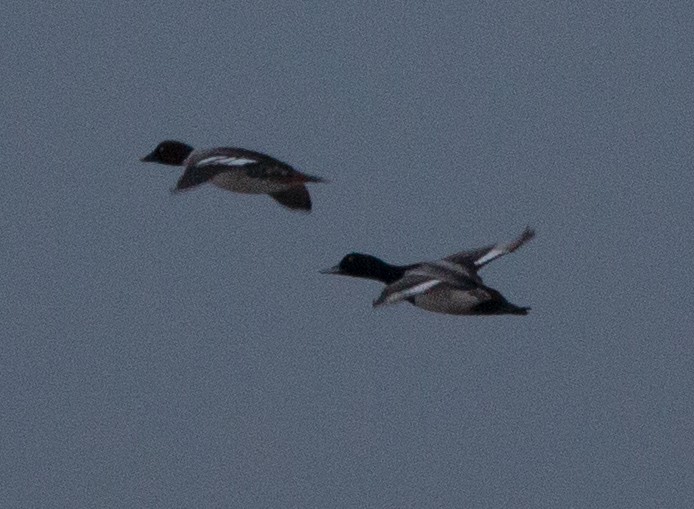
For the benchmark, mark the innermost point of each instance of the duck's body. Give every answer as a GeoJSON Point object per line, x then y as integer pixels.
{"type": "Point", "coordinates": [450, 286]}
{"type": "Point", "coordinates": [238, 170]}
{"type": "Point", "coordinates": [481, 300]}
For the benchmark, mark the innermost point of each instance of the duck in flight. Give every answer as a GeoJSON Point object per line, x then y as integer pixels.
{"type": "Point", "coordinates": [238, 170]}
{"type": "Point", "coordinates": [451, 285]}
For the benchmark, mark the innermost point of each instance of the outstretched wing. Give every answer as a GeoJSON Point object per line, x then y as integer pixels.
{"type": "Point", "coordinates": [478, 258]}
{"type": "Point", "coordinates": [254, 164]}
{"type": "Point", "coordinates": [296, 198]}
{"type": "Point", "coordinates": [194, 176]}
{"type": "Point", "coordinates": [204, 166]}
{"type": "Point", "coordinates": [405, 288]}
{"type": "Point", "coordinates": [424, 278]}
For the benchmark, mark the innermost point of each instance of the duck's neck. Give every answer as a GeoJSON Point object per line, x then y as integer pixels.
{"type": "Point", "coordinates": [388, 273]}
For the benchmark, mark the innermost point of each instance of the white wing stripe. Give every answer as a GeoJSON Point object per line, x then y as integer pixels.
{"type": "Point", "coordinates": [237, 161]}
{"type": "Point", "coordinates": [493, 253]}
{"type": "Point", "coordinates": [226, 161]}
{"type": "Point", "coordinates": [209, 160]}
{"type": "Point", "coordinates": [411, 291]}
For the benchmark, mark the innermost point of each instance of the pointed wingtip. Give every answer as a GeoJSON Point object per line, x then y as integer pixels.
{"type": "Point", "coordinates": [300, 210]}
{"type": "Point", "coordinates": [295, 198]}
{"type": "Point", "coordinates": [381, 300]}
{"type": "Point", "coordinates": [528, 233]}
{"type": "Point", "coordinates": [307, 178]}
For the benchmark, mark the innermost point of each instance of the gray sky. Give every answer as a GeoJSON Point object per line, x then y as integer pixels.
{"type": "Point", "coordinates": [184, 351]}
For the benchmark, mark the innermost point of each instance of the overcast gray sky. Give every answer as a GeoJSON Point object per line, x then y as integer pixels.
{"type": "Point", "coordinates": [165, 350]}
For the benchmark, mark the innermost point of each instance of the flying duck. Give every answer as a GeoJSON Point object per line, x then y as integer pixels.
{"type": "Point", "coordinates": [451, 285]}
{"type": "Point", "coordinates": [238, 170]}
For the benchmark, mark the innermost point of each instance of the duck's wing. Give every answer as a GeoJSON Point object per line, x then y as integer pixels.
{"type": "Point", "coordinates": [254, 164]}
{"type": "Point", "coordinates": [194, 176]}
{"type": "Point", "coordinates": [295, 198]}
{"type": "Point", "coordinates": [424, 278]}
{"type": "Point", "coordinates": [478, 258]}
{"type": "Point", "coordinates": [203, 165]}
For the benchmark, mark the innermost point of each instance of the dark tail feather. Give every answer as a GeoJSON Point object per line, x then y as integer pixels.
{"type": "Point", "coordinates": [512, 309]}
{"type": "Point", "coordinates": [499, 307]}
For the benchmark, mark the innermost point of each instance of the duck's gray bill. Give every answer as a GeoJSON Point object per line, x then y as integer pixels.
{"type": "Point", "coordinates": [331, 270]}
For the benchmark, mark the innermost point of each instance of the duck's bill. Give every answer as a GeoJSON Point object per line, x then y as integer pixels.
{"type": "Point", "coordinates": [149, 158]}
{"type": "Point", "coordinates": [332, 270]}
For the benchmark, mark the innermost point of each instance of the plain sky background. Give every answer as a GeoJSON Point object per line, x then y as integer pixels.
{"type": "Point", "coordinates": [165, 350]}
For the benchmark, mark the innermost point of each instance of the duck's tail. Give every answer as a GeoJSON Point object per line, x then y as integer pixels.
{"type": "Point", "coordinates": [313, 179]}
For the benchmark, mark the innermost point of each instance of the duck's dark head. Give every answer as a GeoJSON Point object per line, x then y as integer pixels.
{"type": "Point", "coordinates": [366, 266]}
{"type": "Point", "coordinates": [169, 152]}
